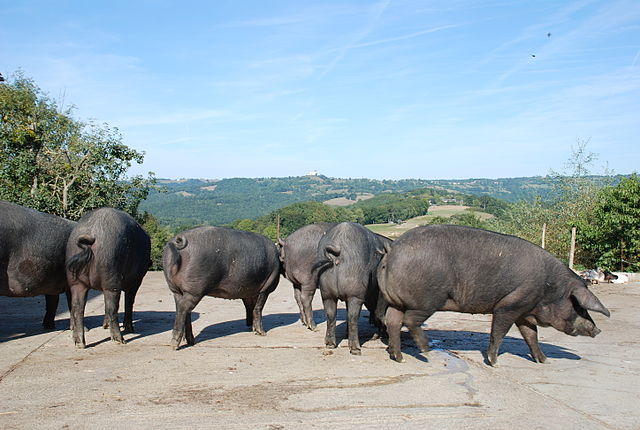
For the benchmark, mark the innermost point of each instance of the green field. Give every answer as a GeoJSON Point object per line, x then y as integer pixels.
{"type": "Point", "coordinates": [394, 230]}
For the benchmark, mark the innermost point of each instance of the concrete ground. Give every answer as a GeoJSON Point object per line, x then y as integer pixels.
{"type": "Point", "coordinates": [233, 379]}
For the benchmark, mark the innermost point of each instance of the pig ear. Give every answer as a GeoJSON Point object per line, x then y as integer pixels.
{"type": "Point", "coordinates": [386, 246]}
{"type": "Point", "coordinates": [589, 301]}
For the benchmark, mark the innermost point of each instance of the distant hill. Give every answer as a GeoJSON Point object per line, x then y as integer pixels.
{"type": "Point", "coordinates": [216, 202]}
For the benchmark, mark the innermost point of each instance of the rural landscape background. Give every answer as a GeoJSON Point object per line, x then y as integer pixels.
{"type": "Point", "coordinates": [58, 164]}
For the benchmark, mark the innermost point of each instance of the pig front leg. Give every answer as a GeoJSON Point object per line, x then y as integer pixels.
{"type": "Point", "coordinates": [51, 306]}
{"type": "Point", "coordinates": [500, 325]}
{"type": "Point", "coordinates": [529, 333]}
{"type": "Point", "coordinates": [249, 305]}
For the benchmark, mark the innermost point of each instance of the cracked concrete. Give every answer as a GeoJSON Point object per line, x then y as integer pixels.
{"type": "Point", "coordinates": [233, 379]}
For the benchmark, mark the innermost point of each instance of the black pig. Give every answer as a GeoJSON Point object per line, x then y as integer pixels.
{"type": "Point", "coordinates": [298, 253]}
{"type": "Point", "coordinates": [219, 262]}
{"type": "Point", "coordinates": [107, 251]}
{"type": "Point", "coordinates": [463, 269]}
{"type": "Point", "coordinates": [348, 257]}
{"type": "Point", "coordinates": [32, 255]}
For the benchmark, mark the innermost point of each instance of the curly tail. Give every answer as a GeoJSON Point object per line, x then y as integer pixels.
{"type": "Point", "coordinates": [172, 260]}
{"type": "Point", "coordinates": [79, 262]}
{"type": "Point", "coordinates": [331, 254]}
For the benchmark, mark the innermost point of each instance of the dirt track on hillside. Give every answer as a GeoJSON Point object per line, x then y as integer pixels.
{"type": "Point", "coordinates": [288, 380]}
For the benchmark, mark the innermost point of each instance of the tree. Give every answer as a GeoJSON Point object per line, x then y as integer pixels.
{"type": "Point", "coordinates": [573, 199]}
{"type": "Point", "coordinates": [611, 238]}
{"type": "Point", "coordinates": [159, 235]}
{"type": "Point", "coordinates": [57, 164]}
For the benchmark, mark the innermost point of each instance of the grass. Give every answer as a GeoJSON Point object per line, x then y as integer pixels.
{"type": "Point", "coordinates": [394, 230]}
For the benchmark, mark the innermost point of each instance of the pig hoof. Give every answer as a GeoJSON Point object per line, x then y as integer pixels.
{"type": "Point", "coordinates": [355, 352]}
{"type": "Point", "coordinates": [396, 357]}
{"type": "Point", "coordinates": [80, 345]}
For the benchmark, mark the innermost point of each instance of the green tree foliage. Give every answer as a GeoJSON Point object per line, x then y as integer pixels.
{"type": "Point", "coordinates": [57, 164]}
{"type": "Point", "coordinates": [610, 237]}
{"type": "Point", "coordinates": [217, 202]}
{"type": "Point", "coordinates": [526, 219]}
{"type": "Point", "coordinates": [160, 235]}
{"type": "Point", "coordinates": [605, 216]}
{"type": "Point", "coordinates": [469, 219]}
{"type": "Point", "coordinates": [294, 216]}
{"type": "Point", "coordinates": [392, 208]}
{"type": "Point", "coordinates": [488, 204]}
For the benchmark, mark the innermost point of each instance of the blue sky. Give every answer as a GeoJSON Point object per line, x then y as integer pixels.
{"type": "Point", "coordinates": [384, 89]}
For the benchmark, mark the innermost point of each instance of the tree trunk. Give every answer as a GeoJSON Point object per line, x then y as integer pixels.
{"type": "Point", "coordinates": [34, 187]}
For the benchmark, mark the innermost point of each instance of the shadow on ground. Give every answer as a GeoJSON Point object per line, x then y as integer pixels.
{"type": "Point", "coordinates": [463, 340]}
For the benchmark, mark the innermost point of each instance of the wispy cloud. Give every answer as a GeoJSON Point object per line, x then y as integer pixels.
{"type": "Point", "coordinates": [406, 36]}
{"type": "Point", "coordinates": [178, 117]}
{"type": "Point", "coordinates": [374, 15]}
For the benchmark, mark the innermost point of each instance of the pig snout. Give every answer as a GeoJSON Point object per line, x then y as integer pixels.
{"type": "Point", "coordinates": [584, 327]}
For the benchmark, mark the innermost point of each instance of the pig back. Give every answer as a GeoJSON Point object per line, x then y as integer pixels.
{"type": "Point", "coordinates": [465, 269]}
{"type": "Point", "coordinates": [224, 262]}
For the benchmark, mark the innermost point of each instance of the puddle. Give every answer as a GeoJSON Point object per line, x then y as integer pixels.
{"type": "Point", "coordinates": [455, 365]}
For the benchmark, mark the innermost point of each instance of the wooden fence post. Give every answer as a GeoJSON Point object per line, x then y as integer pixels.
{"type": "Point", "coordinates": [572, 252]}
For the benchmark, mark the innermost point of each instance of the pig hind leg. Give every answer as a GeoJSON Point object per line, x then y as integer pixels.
{"type": "Point", "coordinates": [330, 309]}
{"type": "Point", "coordinates": [413, 319]}
{"type": "Point", "coordinates": [188, 329]}
{"type": "Point", "coordinates": [393, 320]}
{"type": "Point", "coordinates": [306, 296]}
{"type": "Point", "coordinates": [111, 305]}
{"type": "Point", "coordinates": [354, 307]}
{"type": "Point", "coordinates": [529, 333]}
{"type": "Point", "coordinates": [297, 294]}
{"type": "Point", "coordinates": [79, 293]}
{"type": "Point", "coordinates": [184, 305]}
{"type": "Point", "coordinates": [257, 313]}
{"type": "Point", "coordinates": [129, 299]}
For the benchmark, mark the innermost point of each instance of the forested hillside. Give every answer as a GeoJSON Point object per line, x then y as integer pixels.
{"type": "Point", "coordinates": [198, 201]}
